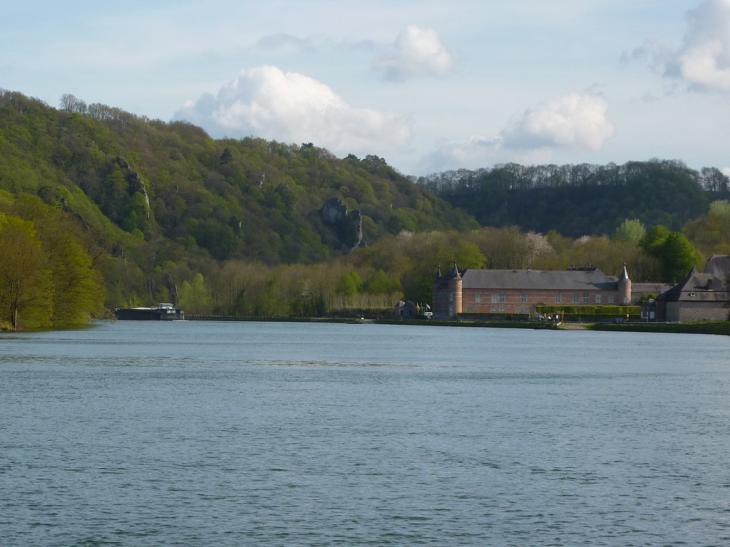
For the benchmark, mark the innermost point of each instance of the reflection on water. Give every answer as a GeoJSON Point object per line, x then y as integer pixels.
{"type": "Point", "coordinates": [241, 433]}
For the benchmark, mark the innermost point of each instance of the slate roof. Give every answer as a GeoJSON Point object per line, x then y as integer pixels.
{"type": "Point", "coordinates": [712, 285]}
{"type": "Point", "coordinates": [719, 266]}
{"type": "Point", "coordinates": [647, 288]}
{"type": "Point", "coordinates": [565, 280]}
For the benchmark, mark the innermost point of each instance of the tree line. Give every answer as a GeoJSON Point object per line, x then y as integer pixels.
{"type": "Point", "coordinates": [114, 210]}
{"type": "Point", "coordinates": [47, 277]}
{"type": "Point", "coordinates": [582, 199]}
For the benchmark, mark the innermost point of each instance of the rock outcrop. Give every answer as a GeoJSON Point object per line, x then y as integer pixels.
{"type": "Point", "coordinates": [346, 224]}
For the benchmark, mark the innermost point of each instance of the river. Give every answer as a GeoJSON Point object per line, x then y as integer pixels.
{"type": "Point", "coordinates": [205, 433]}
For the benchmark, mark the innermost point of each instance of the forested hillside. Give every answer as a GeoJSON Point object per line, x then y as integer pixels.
{"type": "Point", "coordinates": [100, 208]}
{"type": "Point", "coordinates": [578, 200]}
{"type": "Point", "coordinates": [159, 202]}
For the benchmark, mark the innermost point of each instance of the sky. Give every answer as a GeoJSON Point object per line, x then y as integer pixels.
{"type": "Point", "coordinates": [428, 85]}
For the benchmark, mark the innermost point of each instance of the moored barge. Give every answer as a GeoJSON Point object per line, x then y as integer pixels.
{"type": "Point", "coordinates": [163, 312]}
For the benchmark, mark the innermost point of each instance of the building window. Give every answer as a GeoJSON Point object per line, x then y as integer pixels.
{"type": "Point", "coordinates": [599, 299]}
{"type": "Point", "coordinates": [499, 298]}
{"type": "Point", "coordinates": [558, 298]}
{"type": "Point", "coordinates": [611, 299]}
{"type": "Point", "coordinates": [586, 298]}
{"type": "Point", "coordinates": [524, 297]}
{"type": "Point", "coordinates": [576, 298]}
{"type": "Point", "coordinates": [477, 298]}
{"type": "Point", "coordinates": [451, 297]}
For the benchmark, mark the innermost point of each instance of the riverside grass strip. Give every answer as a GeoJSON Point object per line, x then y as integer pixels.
{"type": "Point", "coordinates": [700, 327]}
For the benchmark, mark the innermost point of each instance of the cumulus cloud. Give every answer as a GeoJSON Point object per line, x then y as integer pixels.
{"type": "Point", "coordinates": [703, 59]}
{"type": "Point", "coordinates": [575, 120]}
{"type": "Point", "coordinates": [416, 52]}
{"type": "Point", "coordinates": [726, 171]}
{"type": "Point", "coordinates": [474, 152]}
{"type": "Point", "coordinates": [571, 121]}
{"type": "Point", "coordinates": [291, 107]}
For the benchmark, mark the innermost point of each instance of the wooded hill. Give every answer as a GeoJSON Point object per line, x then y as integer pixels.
{"type": "Point", "coordinates": [100, 208]}
{"type": "Point", "coordinates": [577, 200]}
{"type": "Point", "coordinates": [161, 201]}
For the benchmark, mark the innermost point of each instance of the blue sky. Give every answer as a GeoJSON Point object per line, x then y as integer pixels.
{"type": "Point", "coordinates": [429, 85]}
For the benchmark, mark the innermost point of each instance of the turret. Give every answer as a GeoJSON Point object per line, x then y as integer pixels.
{"type": "Point", "coordinates": [455, 287]}
{"type": "Point", "coordinates": [624, 287]}
{"type": "Point", "coordinates": [447, 298]}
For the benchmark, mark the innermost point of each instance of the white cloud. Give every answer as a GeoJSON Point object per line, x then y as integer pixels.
{"type": "Point", "coordinates": [726, 171]}
{"type": "Point", "coordinates": [270, 103]}
{"type": "Point", "coordinates": [703, 59]}
{"type": "Point", "coordinates": [577, 121]}
{"type": "Point", "coordinates": [477, 152]}
{"type": "Point", "coordinates": [472, 153]}
{"type": "Point", "coordinates": [416, 52]}
{"type": "Point", "coordinates": [574, 120]}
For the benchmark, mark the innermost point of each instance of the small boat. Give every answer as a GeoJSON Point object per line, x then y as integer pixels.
{"type": "Point", "coordinates": [163, 312]}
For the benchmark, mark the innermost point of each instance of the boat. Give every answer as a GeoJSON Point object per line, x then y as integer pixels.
{"type": "Point", "coordinates": [163, 312]}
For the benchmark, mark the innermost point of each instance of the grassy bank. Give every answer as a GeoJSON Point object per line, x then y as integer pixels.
{"type": "Point", "coordinates": [705, 327]}
{"type": "Point", "coordinates": [382, 321]}
{"type": "Point", "coordinates": [276, 319]}
{"type": "Point", "coordinates": [700, 327]}
{"type": "Point", "coordinates": [488, 324]}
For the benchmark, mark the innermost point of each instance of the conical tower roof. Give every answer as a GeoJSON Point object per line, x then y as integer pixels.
{"type": "Point", "coordinates": [454, 273]}
{"type": "Point", "coordinates": [624, 274]}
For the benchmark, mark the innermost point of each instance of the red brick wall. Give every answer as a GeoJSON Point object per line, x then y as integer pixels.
{"type": "Point", "coordinates": [511, 300]}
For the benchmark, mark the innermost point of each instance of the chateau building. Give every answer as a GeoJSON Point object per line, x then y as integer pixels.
{"type": "Point", "coordinates": [473, 291]}
{"type": "Point", "coordinates": [701, 296]}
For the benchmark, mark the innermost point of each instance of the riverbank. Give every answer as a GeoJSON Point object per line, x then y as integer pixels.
{"type": "Point", "coordinates": [384, 321]}
{"type": "Point", "coordinates": [705, 327]}
{"type": "Point", "coordinates": [700, 327]}
{"type": "Point", "coordinates": [484, 324]}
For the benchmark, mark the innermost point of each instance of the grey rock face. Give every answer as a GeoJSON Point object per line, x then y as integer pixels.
{"type": "Point", "coordinates": [347, 224]}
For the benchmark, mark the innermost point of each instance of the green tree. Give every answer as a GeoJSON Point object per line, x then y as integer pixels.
{"type": "Point", "coordinates": [630, 230]}
{"type": "Point", "coordinates": [195, 296]}
{"type": "Point", "coordinates": [349, 284]}
{"type": "Point", "coordinates": [677, 257]}
{"type": "Point", "coordinates": [720, 209]}
{"type": "Point", "coordinates": [380, 282]}
{"type": "Point", "coordinates": [25, 286]}
{"type": "Point", "coordinates": [77, 288]}
{"type": "Point", "coordinates": [654, 239]}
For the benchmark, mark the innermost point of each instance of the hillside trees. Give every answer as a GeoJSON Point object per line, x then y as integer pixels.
{"type": "Point", "coordinates": [160, 202]}
{"type": "Point", "coordinates": [48, 276]}
{"type": "Point", "coordinates": [631, 230]}
{"type": "Point", "coordinates": [711, 233]}
{"type": "Point", "coordinates": [25, 286]}
{"type": "Point", "coordinates": [576, 200]}
{"type": "Point", "coordinates": [675, 254]}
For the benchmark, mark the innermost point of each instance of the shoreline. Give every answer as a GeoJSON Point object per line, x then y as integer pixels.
{"type": "Point", "coordinates": [721, 328]}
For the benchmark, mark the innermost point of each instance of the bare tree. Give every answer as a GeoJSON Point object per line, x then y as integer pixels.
{"type": "Point", "coordinates": [71, 103]}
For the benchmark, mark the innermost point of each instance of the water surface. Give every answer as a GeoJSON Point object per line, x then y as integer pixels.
{"type": "Point", "coordinates": [192, 433]}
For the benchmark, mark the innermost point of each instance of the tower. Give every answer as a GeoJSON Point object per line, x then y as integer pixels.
{"type": "Point", "coordinates": [624, 287]}
{"type": "Point", "coordinates": [447, 295]}
{"type": "Point", "coordinates": [455, 286]}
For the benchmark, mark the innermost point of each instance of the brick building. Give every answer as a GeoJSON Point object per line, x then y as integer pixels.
{"type": "Point", "coordinates": [474, 291]}
{"type": "Point", "coordinates": [700, 296]}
